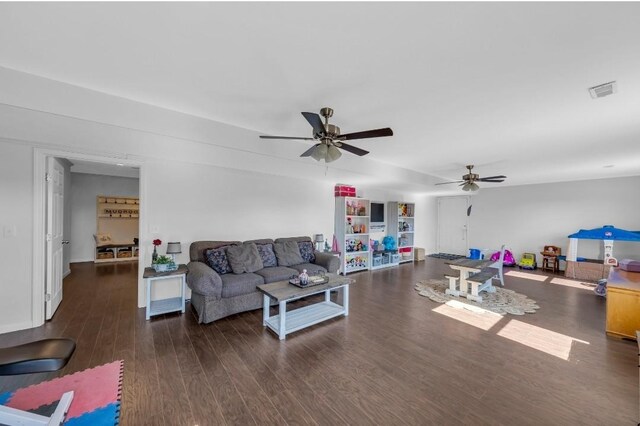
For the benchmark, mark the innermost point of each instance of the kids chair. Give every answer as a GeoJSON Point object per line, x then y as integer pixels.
{"type": "Point", "coordinates": [499, 266]}
{"type": "Point", "coordinates": [550, 259]}
{"type": "Point", "coordinates": [36, 357]}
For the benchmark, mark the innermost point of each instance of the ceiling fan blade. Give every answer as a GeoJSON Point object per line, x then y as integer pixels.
{"type": "Point", "coordinates": [447, 183]}
{"type": "Point", "coordinates": [491, 180]}
{"type": "Point", "coordinates": [352, 149]}
{"type": "Point", "coordinates": [493, 177]}
{"type": "Point", "coordinates": [377, 133]}
{"type": "Point", "coordinates": [308, 152]}
{"type": "Point", "coordinates": [286, 137]}
{"type": "Point", "coordinates": [315, 121]}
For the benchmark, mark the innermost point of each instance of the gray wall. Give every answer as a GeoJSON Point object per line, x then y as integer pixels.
{"type": "Point", "coordinates": [84, 190]}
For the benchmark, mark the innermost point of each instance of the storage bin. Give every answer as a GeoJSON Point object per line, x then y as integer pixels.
{"type": "Point", "coordinates": [418, 254]}
{"type": "Point", "coordinates": [342, 190]}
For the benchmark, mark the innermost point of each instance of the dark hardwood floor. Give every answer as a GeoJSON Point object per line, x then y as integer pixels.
{"type": "Point", "coordinates": [394, 360]}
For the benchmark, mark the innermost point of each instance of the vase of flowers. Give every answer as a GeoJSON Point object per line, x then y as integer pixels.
{"type": "Point", "coordinates": [154, 256]}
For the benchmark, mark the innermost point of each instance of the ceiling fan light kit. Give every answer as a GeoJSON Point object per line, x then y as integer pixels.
{"type": "Point", "coordinates": [329, 139]}
{"type": "Point", "coordinates": [468, 182]}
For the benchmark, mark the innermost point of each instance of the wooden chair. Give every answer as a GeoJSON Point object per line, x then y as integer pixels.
{"type": "Point", "coordinates": [550, 261]}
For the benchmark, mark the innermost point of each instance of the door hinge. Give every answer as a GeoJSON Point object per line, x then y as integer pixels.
{"type": "Point", "coordinates": [47, 177]}
{"type": "Point", "coordinates": [48, 237]}
{"type": "Point", "coordinates": [47, 297]}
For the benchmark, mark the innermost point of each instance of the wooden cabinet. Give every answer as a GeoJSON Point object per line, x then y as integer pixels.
{"type": "Point", "coordinates": [623, 303]}
{"type": "Point", "coordinates": [117, 220]}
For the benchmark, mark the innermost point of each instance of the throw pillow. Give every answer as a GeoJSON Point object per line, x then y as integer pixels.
{"type": "Point", "coordinates": [267, 255]}
{"type": "Point", "coordinates": [288, 253]}
{"type": "Point", "coordinates": [217, 260]}
{"type": "Point", "coordinates": [307, 251]}
{"type": "Point", "coordinates": [244, 258]}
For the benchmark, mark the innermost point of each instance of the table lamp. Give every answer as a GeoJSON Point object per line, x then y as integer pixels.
{"type": "Point", "coordinates": [319, 239]}
{"type": "Point", "coordinates": [173, 249]}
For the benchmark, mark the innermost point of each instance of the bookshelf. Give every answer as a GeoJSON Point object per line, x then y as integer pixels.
{"type": "Point", "coordinates": [352, 232]}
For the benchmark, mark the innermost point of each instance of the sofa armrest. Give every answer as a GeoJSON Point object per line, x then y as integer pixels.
{"type": "Point", "coordinates": [203, 280]}
{"type": "Point", "coordinates": [328, 261]}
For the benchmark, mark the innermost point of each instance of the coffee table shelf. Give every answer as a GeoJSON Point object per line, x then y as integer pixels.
{"type": "Point", "coordinates": [307, 316]}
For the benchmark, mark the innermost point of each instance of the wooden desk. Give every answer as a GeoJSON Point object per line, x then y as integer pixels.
{"type": "Point", "coordinates": [623, 303]}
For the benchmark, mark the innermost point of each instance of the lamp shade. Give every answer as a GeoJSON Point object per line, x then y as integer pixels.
{"type": "Point", "coordinates": [174, 248]}
{"type": "Point", "coordinates": [319, 238]}
{"type": "Point", "coordinates": [320, 152]}
{"type": "Point", "coordinates": [333, 154]}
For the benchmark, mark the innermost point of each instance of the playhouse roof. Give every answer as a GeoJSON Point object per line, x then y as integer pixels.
{"type": "Point", "coordinates": [607, 232]}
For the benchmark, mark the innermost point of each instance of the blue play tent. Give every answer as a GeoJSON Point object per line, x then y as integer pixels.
{"type": "Point", "coordinates": [607, 232]}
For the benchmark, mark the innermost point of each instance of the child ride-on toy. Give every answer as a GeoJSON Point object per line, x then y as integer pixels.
{"type": "Point", "coordinates": [528, 261]}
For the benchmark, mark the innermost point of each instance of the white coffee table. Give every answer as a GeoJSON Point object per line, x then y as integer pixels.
{"type": "Point", "coordinates": [287, 322]}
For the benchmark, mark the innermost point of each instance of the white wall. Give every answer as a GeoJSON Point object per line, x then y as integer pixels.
{"type": "Point", "coordinates": [528, 217]}
{"type": "Point", "coordinates": [84, 190]}
{"type": "Point", "coordinates": [16, 236]}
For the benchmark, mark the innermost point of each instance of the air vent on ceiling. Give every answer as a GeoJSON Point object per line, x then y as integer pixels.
{"type": "Point", "coordinates": [603, 90]}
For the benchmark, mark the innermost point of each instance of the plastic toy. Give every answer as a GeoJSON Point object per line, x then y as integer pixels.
{"type": "Point", "coordinates": [389, 243]}
{"type": "Point", "coordinates": [527, 261]}
{"type": "Point", "coordinates": [509, 260]}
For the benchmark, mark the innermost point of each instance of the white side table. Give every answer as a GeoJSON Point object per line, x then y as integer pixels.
{"type": "Point", "coordinates": [171, 304]}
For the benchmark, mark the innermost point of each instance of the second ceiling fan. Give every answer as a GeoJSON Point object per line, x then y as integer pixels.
{"type": "Point", "coordinates": [468, 182]}
{"type": "Point", "coordinates": [328, 137]}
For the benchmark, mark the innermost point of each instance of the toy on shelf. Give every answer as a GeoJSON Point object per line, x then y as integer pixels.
{"type": "Point", "coordinates": [389, 243]}
{"type": "Point", "coordinates": [527, 261]}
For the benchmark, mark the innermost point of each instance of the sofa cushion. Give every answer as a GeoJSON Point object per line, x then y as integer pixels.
{"type": "Point", "coordinates": [296, 239]}
{"type": "Point", "coordinates": [217, 260]}
{"type": "Point", "coordinates": [306, 251]}
{"type": "Point", "coordinates": [244, 258]}
{"type": "Point", "coordinates": [312, 268]}
{"type": "Point", "coordinates": [197, 249]}
{"type": "Point", "coordinates": [278, 273]}
{"type": "Point", "coordinates": [287, 253]}
{"type": "Point", "coordinates": [267, 255]}
{"type": "Point", "coordinates": [238, 285]}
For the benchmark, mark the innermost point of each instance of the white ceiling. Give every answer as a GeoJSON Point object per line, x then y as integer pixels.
{"type": "Point", "coordinates": [500, 85]}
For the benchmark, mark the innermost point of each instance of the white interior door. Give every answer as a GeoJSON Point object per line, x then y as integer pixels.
{"type": "Point", "coordinates": [453, 225]}
{"type": "Point", "coordinates": [55, 217]}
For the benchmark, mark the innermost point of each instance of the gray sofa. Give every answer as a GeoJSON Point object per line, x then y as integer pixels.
{"type": "Point", "coordinates": [216, 295]}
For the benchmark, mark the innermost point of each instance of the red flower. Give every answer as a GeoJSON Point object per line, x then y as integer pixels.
{"type": "Point", "coordinates": [157, 242]}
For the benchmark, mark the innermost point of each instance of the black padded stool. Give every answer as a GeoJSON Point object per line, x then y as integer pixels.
{"type": "Point", "coordinates": [36, 357]}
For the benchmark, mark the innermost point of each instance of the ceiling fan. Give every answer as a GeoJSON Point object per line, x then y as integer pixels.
{"type": "Point", "coordinates": [329, 139]}
{"type": "Point", "coordinates": [468, 182]}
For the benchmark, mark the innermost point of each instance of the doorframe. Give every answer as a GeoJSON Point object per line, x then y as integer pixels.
{"type": "Point", "coordinates": [38, 276]}
{"type": "Point", "coordinates": [468, 199]}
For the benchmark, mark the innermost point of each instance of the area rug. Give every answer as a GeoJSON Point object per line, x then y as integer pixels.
{"type": "Point", "coordinates": [503, 301]}
{"type": "Point", "coordinates": [447, 256]}
{"type": "Point", "coordinates": [96, 400]}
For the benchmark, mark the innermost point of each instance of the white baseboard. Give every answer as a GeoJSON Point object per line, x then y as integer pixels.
{"type": "Point", "coordinates": [67, 272]}
{"type": "Point", "coordinates": [15, 327]}
{"type": "Point", "coordinates": [91, 259]}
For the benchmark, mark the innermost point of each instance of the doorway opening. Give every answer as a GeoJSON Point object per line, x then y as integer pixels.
{"type": "Point", "coordinates": [89, 210]}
